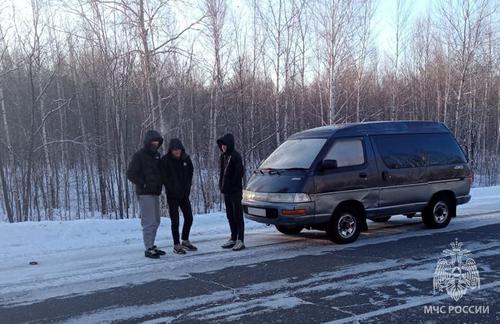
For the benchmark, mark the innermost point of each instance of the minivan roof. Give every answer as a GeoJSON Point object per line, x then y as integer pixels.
{"type": "Point", "coordinates": [373, 128]}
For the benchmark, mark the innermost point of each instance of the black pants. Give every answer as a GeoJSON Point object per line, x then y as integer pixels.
{"type": "Point", "coordinates": [234, 213]}
{"type": "Point", "coordinates": [173, 208]}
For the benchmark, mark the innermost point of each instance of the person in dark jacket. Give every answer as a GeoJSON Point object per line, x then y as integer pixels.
{"type": "Point", "coordinates": [230, 185]}
{"type": "Point", "coordinates": [144, 171]}
{"type": "Point", "coordinates": [177, 170]}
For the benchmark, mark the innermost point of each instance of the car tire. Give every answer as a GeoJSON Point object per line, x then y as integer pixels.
{"type": "Point", "coordinates": [439, 212]}
{"type": "Point", "coordinates": [289, 230]}
{"type": "Point", "coordinates": [344, 226]}
{"type": "Point", "coordinates": [382, 219]}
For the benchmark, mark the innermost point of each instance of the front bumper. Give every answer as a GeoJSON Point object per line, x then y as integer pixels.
{"type": "Point", "coordinates": [274, 213]}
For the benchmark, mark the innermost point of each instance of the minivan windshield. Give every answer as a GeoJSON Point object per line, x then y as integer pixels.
{"type": "Point", "coordinates": [294, 154]}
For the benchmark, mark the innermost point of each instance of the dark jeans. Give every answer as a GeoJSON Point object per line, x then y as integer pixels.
{"type": "Point", "coordinates": [173, 208]}
{"type": "Point", "coordinates": [234, 213]}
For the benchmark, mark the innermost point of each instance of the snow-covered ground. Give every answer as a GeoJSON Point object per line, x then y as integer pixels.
{"type": "Point", "coordinates": [81, 257]}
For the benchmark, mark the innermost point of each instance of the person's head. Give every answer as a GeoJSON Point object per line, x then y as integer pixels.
{"type": "Point", "coordinates": [175, 148]}
{"type": "Point", "coordinates": [226, 143]}
{"type": "Point", "coordinates": [152, 140]}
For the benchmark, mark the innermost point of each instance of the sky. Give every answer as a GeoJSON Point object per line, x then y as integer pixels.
{"type": "Point", "coordinates": [384, 15]}
{"type": "Point", "coordinates": [384, 18]}
{"type": "Point", "coordinates": [383, 30]}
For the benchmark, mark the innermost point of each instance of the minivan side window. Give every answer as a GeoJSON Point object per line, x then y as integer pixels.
{"type": "Point", "coordinates": [412, 150]}
{"type": "Point", "coordinates": [347, 152]}
{"type": "Point", "coordinates": [400, 151]}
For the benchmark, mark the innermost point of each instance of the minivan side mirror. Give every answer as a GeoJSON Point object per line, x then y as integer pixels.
{"type": "Point", "coordinates": [328, 165]}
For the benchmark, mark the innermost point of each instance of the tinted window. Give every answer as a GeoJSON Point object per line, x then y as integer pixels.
{"type": "Point", "coordinates": [297, 153]}
{"type": "Point", "coordinates": [411, 150]}
{"type": "Point", "coordinates": [401, 151]}
{"type": "Point", "coordinates": [442, 149]}
{"type": "Point", "coordinates": [347, 152]}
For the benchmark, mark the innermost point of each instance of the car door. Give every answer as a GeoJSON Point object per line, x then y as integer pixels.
{"type": "Point", "coordinates": [402, 165]}
{"type": "Point", "coordinates": [353, 179]}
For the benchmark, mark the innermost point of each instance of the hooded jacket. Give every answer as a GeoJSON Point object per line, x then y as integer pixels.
{"type": "Point", "coordinates": [231, 167]}
{"type": "Point", "coordinates": [144, 168]}
{"type": "Point", "coordinates": [177, 173]}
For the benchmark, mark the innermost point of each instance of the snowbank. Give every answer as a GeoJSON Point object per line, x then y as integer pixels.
{"type": "Point", "coordinates": [46, 236]}
{"type": "Point", "coordinates": [52, 236]}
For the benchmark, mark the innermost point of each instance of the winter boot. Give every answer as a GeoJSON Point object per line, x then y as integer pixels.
{"type": "Point", "coordinates": [229, 244]}
{"type": "Point", "coordinates": [160, 252]}
{"type": "Point", "coordinates": [188, 246]}
{"type": "Point", "coordinates": [178, 249]}
{"type": "Point", "coordinates": [151, 253]}
{"type": "Point", "coordinates": [238, 246]}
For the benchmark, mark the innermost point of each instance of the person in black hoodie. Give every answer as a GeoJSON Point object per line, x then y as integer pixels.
{"type": "Point", "coordinates": [230, 185]}
{"type": "Point", "coordinates": [177, 170]}
{"type": "Point", "coordinates": [144, 171]}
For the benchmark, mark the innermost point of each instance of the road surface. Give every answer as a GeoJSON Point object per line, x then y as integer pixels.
{"type": "Point", "coordinates": [385, 276]}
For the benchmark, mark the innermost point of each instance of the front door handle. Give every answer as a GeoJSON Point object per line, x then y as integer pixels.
{"type": "Point", "coordinates": [363, 175]}
{"type": "Point", "coordinates": [385, 175]}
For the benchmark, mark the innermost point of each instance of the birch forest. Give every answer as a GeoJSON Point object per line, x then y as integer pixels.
{"type": "Point", "coordinates": [81, 81]}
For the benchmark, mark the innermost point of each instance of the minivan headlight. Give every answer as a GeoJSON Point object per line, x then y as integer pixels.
{"type": "Point", "coordinates": [276, 197]}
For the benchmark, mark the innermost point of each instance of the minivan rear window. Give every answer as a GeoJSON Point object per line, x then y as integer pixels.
{"type": "Point", "coordinates": [443, 149]}
{"type": "Point", "coordinates": [400, 151]}
{"type": "Point", "coordinates": [294, 154]}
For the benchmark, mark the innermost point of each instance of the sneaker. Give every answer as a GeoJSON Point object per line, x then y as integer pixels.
{"type": "Point", "coordinates": [238, 246]}
{"type": "Point", "coordinates": [151, 253]}
{"type": "Point", "coordinates": [160, 252]}
{"type": "Point", "coordinates": [228, 245]}
{"type": "Point", "coordinates": [188, 246]}
{"type": "Point", "coordinates": [178, 249]}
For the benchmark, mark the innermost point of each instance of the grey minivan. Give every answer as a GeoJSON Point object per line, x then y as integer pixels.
{"type": "Point", "coordinates": [335, 177]}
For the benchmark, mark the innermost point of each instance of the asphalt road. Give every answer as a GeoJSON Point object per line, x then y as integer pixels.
{"type": "Point", "coordinates": [386, 276]}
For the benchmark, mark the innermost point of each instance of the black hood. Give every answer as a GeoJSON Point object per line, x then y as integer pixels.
{"type": "Point", "coordinates": [228, 140]}
{"type": "Point", "coordinates": [175, 144]}
{"type": "Point", "coordinates": [152, 135]}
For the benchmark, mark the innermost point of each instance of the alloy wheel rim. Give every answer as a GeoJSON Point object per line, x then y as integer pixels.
{"type": "Point", "coordinates": [440, 212]}
{"type": "Point", "coordinates": [346, 225]}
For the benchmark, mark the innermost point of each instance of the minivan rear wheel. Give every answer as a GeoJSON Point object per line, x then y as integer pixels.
{"type": "Point", "coordinates": [345, 225]}
{"type": "Point", "coordinates": [438, 213]}
{"type": "Point", "coordinates": [289, 230]}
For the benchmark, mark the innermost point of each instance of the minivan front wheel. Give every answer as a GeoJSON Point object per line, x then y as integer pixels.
{"type": "Point", "coordinates": [289, 230]}
{"type": "Point", "coordinates": [438, 213]}
{"type": "Point", "coordinates": [345, 226]}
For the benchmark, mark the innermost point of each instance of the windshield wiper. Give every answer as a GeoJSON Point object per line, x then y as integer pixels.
{"type": "Point", "coordinates": [278, 171]}
{"type": "Point", "coordinates": [269, 171]}
{"type": "Point", "coordinates": [292, 169]}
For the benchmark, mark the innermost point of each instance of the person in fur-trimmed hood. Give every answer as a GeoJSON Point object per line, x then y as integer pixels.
{"type": "Point", "coordinates": [177, 172]}
{"type": "Point", "coordinates": [230, 185]}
